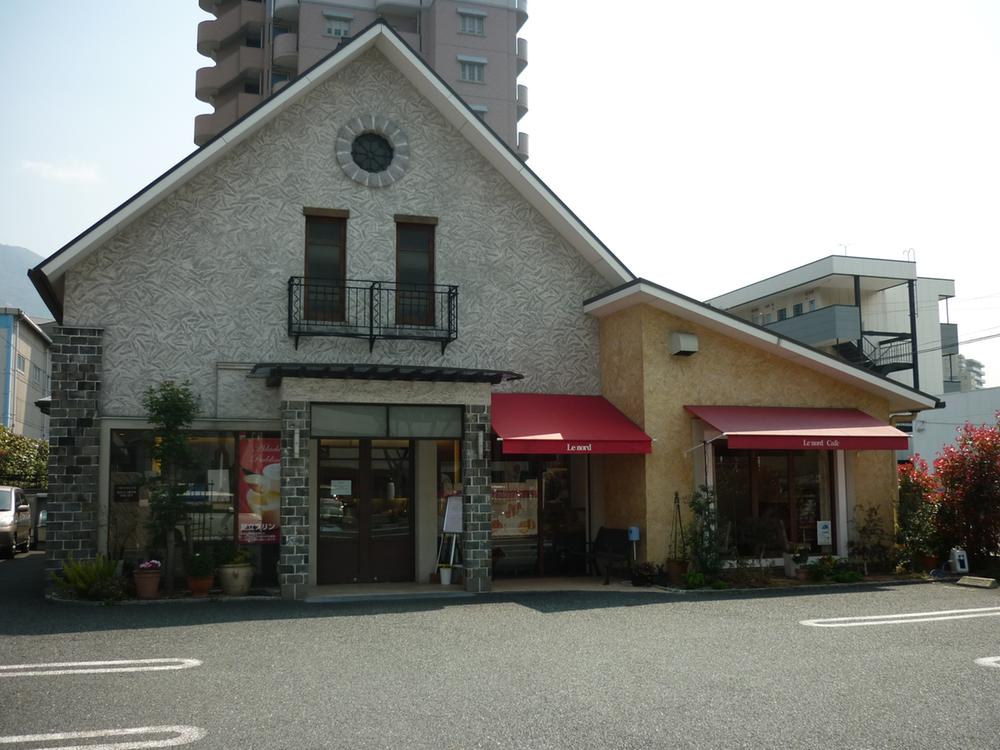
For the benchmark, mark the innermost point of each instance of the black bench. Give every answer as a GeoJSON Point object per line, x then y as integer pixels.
{"type": "Point", "coordinates": [610, 546]}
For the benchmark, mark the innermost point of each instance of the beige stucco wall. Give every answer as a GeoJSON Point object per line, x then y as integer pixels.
{"type": "Point", "coordinates": [723, 372]}
{"type": "Point", "coordinates": [623, 478]}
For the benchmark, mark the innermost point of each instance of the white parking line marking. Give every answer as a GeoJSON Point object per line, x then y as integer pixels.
{"type": "Point", "coordinates": [950, 614]}
{"type": "Point", "coordinates": [97, 667]}
{"type": "Point", "coordinates": [989, 661]}
{"type": "Point", "coordinates": [184, 735]}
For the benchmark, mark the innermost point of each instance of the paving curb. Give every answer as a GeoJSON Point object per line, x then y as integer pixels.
{"type": "Point", "coordinates": [806, 587]}
{"type": "Point", "coordinates": [58, 599]}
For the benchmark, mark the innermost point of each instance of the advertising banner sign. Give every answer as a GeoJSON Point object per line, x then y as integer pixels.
{"type": "Point", "coordinates": [260, 490]}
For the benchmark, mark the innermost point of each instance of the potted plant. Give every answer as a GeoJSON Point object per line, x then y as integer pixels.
{"type": "Point", "coordinates": [147, 579]}
{"type": "Point", "coordinates": [236, 574]}
{"type": "Point", "coordinates": [444, 571]}
{"type": "Point", "coordinates": [200, 574]}
{"type": "Point", "coordinates": [644, 573]}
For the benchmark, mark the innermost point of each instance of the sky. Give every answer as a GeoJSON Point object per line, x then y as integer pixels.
{"type": "Point", "coordinates": [708, 144]}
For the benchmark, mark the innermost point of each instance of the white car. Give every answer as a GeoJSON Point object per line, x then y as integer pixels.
{"type": "Point", "coordinates": [15, 521]}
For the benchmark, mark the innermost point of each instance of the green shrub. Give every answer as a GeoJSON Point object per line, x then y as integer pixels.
{"type": "Point", "coordinates": [695, 579]}
{"type": "Point", "coordinates": [200, 565]}
{"type": "Point", "coordinates": [847, 576]}
{"type": "Point", "coordinates": [96, 579]}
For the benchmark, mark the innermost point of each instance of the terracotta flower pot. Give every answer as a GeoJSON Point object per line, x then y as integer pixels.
{"type": "Point", "coordinates": [147, 583]}
{"type": "Point", "coordinates": [201, 585]}
{"type": "Point", "coordinates": [677, 572]}
{"type": "Point", "coordinates": [930, 562]}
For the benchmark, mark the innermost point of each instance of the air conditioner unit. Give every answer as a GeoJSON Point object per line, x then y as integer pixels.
{"type": "Point", "coordinates": [683, 344]}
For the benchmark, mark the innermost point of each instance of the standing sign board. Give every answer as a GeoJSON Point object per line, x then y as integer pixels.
{"type": "Point", "coordinates": [260, 490]}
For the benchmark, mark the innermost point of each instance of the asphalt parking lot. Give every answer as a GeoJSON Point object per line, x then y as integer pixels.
{"type": "Point", "coordinates": [641, 669]}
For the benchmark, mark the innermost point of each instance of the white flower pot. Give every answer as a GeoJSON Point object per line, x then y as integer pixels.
{"type": "Point", "coordinates": [445, 572]}
{"type": "Point", "coordinates": [235, 579]}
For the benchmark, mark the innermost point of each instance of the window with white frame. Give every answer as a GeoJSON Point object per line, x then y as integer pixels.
{"type": "Point", "coordinates": [36, 374]}
{"type": "Point", "coordinates": [469, 23]}
{"type": "Point", "coordinates": [472, 71]}
{"type": "Point", "coordinates": [479, 110]}
{"type": "Point", "coordinates": [338, 27]}
{"type": "Point", "coordinates": [21, 364]}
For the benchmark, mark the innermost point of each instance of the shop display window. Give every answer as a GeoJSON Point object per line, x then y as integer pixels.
{"type": "Point", "coordinates": [768, 500]}
{"type": "Point", "coordinates": [215, 487]}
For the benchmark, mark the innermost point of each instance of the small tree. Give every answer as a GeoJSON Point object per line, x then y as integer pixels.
{"type": "Point", "coordinates": [171, 407]}
{"type": "Point", "coordinates": [23, 460]}
{"type": "Point", "coordinates": [703, 541]}
{"type": "Point", "coordinates": [916, 533]}
{"type": "Point", "coordinates": [870, 545]}
{"type": "Point", "coordinates": [968, 473]}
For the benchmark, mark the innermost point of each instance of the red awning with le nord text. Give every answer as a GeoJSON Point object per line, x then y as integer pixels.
{"type": "Point", "coordinates": [792, 428]}
{"type": "Point", "coordinates": [548, 423]}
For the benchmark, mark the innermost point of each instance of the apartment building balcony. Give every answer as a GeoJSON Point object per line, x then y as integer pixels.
{"type": "Point", "coordinates": [214, 33]}
{"type": "Point", "coordinates": [522, 54]}
{"type": "Point", "coordinates": [372, 310]}
{"type": "Point", "coordinates": [823, 327]}
{"type": "Point", "coordinates": [949, 339]}
{"type": "Point", "coordinates": [207, 126]}
{"type": "Point", "coordinates": [286, 50]}
{"type": "Point", "coordinates": [400, 7]}
{"type": "Point", "coordinates": [522, 100]}
{"type": "Point", "coordinates": [286, 10]}
{"type": "Point", "coordinates": [238, 64]}
{"type": "Point", "coordinates": [522, 146]}
{"type": "Point", "coordinates": [521, 13]}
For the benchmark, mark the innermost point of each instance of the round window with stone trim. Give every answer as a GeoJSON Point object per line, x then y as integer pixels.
{"type": "Point", "coordinates": [373, 150]}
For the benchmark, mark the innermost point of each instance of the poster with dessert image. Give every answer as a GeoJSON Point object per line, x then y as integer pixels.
{"type": "Point", "coordinates": [515, 509]}
{"type": "Point", "coordinates": [260, 490]}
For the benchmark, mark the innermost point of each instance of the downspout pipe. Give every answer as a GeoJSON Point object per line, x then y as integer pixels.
{"type": "Point", "coordinates": [7, 334]}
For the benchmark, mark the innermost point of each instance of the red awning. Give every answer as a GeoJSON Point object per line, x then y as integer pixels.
{"type": "Point", "coordinates": [790, 428]}
{"type": "Point", "coordinates": [546, 423]}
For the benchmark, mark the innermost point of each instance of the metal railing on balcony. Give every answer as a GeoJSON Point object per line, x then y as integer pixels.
{"type": "Point", "coordinates": [372, 310]}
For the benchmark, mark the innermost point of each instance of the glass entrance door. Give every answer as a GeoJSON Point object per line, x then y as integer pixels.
{"type": "Point", "coordinates": [365, 511]}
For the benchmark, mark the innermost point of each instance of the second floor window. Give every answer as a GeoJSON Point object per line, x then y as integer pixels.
{"type": "Point", "coordinates": [782, 313]}
{"type": "Point", "coordinates": [20, 363]}
{"type": "Point", "coordinates": [414, 274]}
{"type": "Point", "coordinates": [797, 309]}
{"type": "Point", "coordinates": [326, 268]}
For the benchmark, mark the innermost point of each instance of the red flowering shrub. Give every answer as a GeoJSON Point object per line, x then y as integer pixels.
{"type": "Point", "coordinates": [968, 478]}
{"type": "Point", "coordinates": [916, 532]}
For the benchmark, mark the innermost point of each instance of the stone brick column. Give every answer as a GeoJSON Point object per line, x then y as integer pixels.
{"type": "Point", "coordinates": [476, 534]}
{"type": "Point", "coordinates": [293, 557]}
{"type": "Point", "coordinates": [74, 445]}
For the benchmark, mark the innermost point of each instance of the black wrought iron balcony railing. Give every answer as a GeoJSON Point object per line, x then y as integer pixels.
{"type": "Point", "coordinates": [372, 310]}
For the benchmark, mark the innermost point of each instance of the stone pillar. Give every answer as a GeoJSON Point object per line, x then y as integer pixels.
{"type": "Point", "coordinates": [293, 557]}
{"type": "Point", "coordinates": [74, 445]}
{"type": "Point", "coordinates": [476, 543]}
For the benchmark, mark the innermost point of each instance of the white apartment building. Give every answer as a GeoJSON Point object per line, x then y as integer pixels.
{"type": "Point", "coordinates": [874, 313]}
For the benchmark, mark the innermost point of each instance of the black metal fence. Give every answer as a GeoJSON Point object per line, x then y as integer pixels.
{"type": "Point", "coordinates": [372, 310]}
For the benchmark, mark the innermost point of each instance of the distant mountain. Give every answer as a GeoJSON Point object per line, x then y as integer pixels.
{"type": "Point", "coordinates": [16, 290]}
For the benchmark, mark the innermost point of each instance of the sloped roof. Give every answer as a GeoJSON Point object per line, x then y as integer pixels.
{"type": "Point", "coordinates": [48, 276]}
{"type": "Point", "coordinates": [640, 291]}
